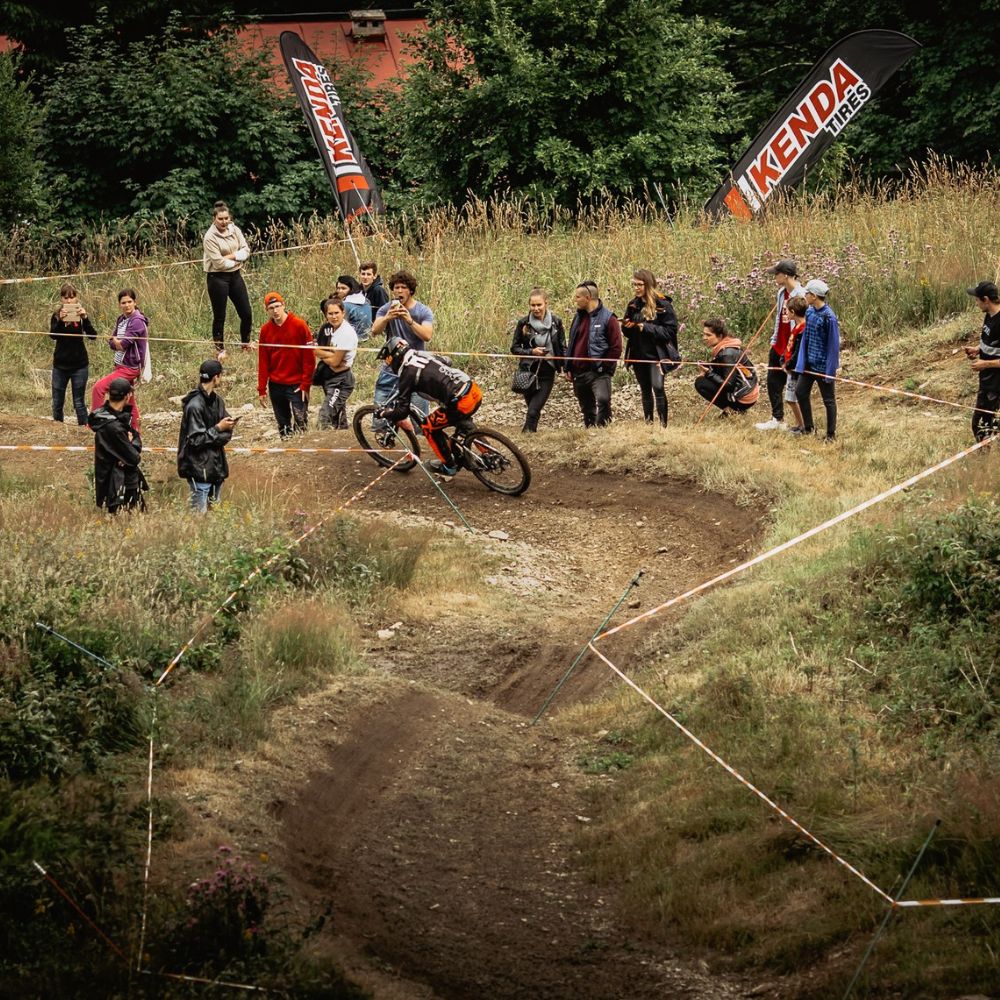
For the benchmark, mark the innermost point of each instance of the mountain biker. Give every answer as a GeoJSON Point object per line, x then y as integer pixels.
{"type": "Point", "coordinates": [457, 392]}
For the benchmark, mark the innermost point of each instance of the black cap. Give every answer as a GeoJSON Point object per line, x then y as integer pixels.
{"type": "Point", "coordinates": [119, 389]}
{"type": "Point", "coordinates": [209, 369]}
{"type": "Point", "coordinates": [788, 267]}
{"type": "Point", "coordinates": [985, 290]}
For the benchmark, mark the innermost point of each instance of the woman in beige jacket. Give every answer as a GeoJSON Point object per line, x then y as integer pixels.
{"type": "Point", "coordinates": [225, 251]}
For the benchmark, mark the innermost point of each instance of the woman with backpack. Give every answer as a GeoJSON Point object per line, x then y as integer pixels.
{"type": "Point", "coordinates": [730, 381]}
{"type": "Point", "coordinates": [650, 331]}
{"type": "Point", "coordinates": [540, 340]}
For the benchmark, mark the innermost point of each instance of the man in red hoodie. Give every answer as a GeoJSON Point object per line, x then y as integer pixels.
{"type": "Point", "coordinates": [285, 364]}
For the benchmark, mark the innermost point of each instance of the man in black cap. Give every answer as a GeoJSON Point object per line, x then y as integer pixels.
{"type": "Point", "coordinates": [786, 275]}
{"type": "Point", "coordinates": [206, 429]}
{"type": "Point", "coordinates": [986, 361]}
{"type": "Point", "coordinates": [118, 481]}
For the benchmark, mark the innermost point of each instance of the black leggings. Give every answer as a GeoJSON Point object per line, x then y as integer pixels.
{"type": "Point", "coordinates": [827, 390]}
{"type": "Point", "coordinates": [776, 379]}
{"type": "Point", "coordinates": [986, 424]}
{"type": "Point", "coordinates": [650, 379]}
{"type": "Point", "coordinates": [223, 286]}
{"type": "Point", "coordinates": [536, 400]}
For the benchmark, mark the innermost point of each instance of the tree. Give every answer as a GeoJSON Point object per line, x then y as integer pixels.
{"type": "Point", "coordinates": [945, 98]}
{"type": "Point", "coordinates": [169, 124]}
{"type": "Point", "coordinates": [19, 120]}
{"type": "Point", "coordinates": [559, 99]}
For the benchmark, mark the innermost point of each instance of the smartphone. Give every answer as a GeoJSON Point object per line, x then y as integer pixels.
{"type": "Point", "coordinates": [237, 418]}
{"type": "Point", "coordinates": [394, 304]}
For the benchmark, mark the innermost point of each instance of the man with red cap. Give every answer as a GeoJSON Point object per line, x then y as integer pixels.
{"type": "Point", "coordinates": [285, 365]}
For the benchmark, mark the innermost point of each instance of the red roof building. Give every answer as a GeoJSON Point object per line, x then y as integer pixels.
{"type": "Point", "coordinates": [367, 36]}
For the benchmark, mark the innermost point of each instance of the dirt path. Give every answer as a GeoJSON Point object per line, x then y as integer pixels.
{"type": "Point", "coordinates": [442, 828]}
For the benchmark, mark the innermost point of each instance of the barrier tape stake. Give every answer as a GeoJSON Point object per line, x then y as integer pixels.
{"type": "Point", "coordinates": [75, 645]}
{"type": "Point", "coordinates": [634, 582]}
{"type": "Point", "coordinates": [889, 913]}
{"type": "Point", "coordinates": [90, 923]}
{"type": "Point", "coordinates": [149, 840]}
{"type": "Point", "coordinates": [430, 475]}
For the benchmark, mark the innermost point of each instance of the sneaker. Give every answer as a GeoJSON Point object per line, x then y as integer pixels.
{"type": "Point", "coordinates": [440, 469]}
{"type": "Point", "coordinates": [769, 425]}
{"type": "Point", "coordinates": [830, 439]}
{"type": "Point", "coordinates": [244, 347]}
{"type": "Point", "coordinates": [220, 355]}
{"type": "Point", "coordinates": [798, 430]}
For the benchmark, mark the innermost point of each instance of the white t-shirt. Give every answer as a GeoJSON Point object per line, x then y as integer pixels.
{"type": "Point", "coordinates": [345, 339]}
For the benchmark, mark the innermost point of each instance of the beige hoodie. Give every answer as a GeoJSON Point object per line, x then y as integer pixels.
{"type": "Point", "coordinates": [217, 244]}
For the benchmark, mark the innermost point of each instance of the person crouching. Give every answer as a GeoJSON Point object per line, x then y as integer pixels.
{"type": "Point", "coordinates": [730, 381]}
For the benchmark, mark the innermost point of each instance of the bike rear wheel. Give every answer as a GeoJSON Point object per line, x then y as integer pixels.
{"type": "Point", "coordinates": [384, 446]}
{"type": "Point", "coordinates": [496, 462]}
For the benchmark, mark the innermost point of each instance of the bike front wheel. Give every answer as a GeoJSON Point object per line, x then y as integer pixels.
{"type": "Point", "coordinates": [497, 462]}
{"type": "Point", "coordinates": [385, 446]}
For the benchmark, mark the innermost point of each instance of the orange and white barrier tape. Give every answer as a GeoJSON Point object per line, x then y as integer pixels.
{"type": "Point", "coordinates": [239, 450]}
{"type": "Point", "coordinates": [948, 902]}
{"type": "Point", "coordinates": [162, 264]}
{"type": "Point", "coordinates": [739, 777]}
{"type": "Point", "coordinates": [798, 539]}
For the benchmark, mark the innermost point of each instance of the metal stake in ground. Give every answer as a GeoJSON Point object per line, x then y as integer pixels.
{"type": "Point", "coordinates": [430, 475]}
{"type": "Point", "coordinates": [634, 582]}
{"type": "Point", "coordinates": [75, 645]}
{"type": "Point", "coordinates": [888, 914]}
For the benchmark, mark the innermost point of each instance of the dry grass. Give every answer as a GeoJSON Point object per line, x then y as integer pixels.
{"type": "Point", "coordinates": [893, 263]}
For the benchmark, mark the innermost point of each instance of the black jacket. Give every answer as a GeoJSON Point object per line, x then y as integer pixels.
{"type": "Point", "coordinates": [376, 294]}
{"type": "Point", "coordinates": [71, 352]}
{"type": "Point", "coordinates": [201, 446]}
{"type": "Point", "coordinates": [650, 343]}
{"type": "Point", "coordinates": [117, 479]}
{"type": "Point", "coordinates": [524, 341]}
{"type": "Point", "coordinates": [423, 373]}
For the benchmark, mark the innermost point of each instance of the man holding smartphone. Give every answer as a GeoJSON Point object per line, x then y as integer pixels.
{"type": "Point", "coordinates": [285, 365]}
{"type": "Point", "coordinates": [409, 319]}
{"type": "Point", "coordinates": [206, 429]}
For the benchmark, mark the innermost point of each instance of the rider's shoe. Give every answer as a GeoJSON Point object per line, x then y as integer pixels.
{"type": "Point", "coordinates": [440, 469]}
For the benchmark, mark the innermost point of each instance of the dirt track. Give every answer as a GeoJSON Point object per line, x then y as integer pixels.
{"type": "Point", "coordinates": [440, 825]}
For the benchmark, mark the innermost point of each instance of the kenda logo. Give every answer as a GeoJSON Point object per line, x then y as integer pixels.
{"type": "Point", "coordinates": [829, 106]}
{"type": "Point", "coordinates": [323, 97]}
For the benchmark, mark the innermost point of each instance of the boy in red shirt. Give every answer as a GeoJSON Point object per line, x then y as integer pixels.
{"type": "Point", "coordinates": [797, 313]}
{"type": "Point", "coordinates": [285, 365]}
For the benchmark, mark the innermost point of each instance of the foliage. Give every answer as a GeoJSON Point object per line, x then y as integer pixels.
{"type": "Point", "coordinates": [225, 914]}
{"type": "Point", "coordinates": [169, 124]}
{"type": "Point", "coordinates": [942, 99]}
{"type": "Point", "coordinates": [19, 121]}
{"type": "Point", "coordinates": [561, 100]}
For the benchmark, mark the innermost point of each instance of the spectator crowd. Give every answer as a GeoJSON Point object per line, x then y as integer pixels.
{"type": "Point", "coordinates": [803, 353]}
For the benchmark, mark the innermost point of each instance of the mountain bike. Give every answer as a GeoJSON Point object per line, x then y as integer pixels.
{"type": "Point", "coordinates": [489, 455]}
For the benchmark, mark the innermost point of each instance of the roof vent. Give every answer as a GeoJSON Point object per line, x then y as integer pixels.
{"type": "Point", "coordinates": [367, 24]}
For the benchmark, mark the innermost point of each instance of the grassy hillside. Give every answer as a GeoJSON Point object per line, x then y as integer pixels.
{"type": "Point", "coordinates": [855, 679]}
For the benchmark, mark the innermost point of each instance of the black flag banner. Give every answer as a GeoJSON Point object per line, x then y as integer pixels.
{"type": "Point", "coordinates": [832, 94]}
{"type": "Point", "coordinates": [352, 181]}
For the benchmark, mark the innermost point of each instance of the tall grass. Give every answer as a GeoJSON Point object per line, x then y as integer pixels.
{"type": "Point", "coordinates": [894, 260]}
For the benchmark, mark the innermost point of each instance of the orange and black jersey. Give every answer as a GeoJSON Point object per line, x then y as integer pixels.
{"type": "Point", "coordinates": [424, 373]}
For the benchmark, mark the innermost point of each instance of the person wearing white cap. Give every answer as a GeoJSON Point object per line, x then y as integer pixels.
{"type": "Point", "coordinates": [819, 358]}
